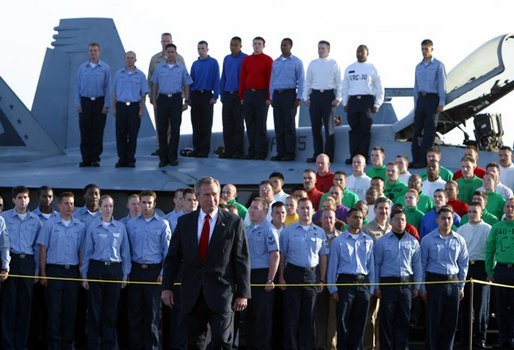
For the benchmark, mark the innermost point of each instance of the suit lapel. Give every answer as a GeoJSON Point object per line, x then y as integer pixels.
{"type": "Point", "coordinates": [194, 231]}
{"type": "Point", "coordinates": [217, 233]}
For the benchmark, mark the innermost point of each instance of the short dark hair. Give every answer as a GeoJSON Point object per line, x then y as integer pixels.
{"type": "Point", "coordinates": [352, 210]}
{"type": "Point", "coordinates": [340, 172]}
{"type": "Point", "coordinates": [171, 45]}
{"type": "Point", "coordinates": [493, 165]}
{"type": "Point", "coordinates": [66, 194]}
{"type": "Point", "coordinates": [289, 40]}
{"type": "Point", "coordinates": [148, 193]}
{"type": "Point", "coordinates": [88, 186]}
{"type": "Point", "coordinates": [380, 200]}
{"type": "Point", "coordinates": [188, 190]}
{"type": "Point", "coordinates": [203, 42]}
{"type": "Point", "coordinates": [94, 44]}
{"type": "Point", "coordinates": [44, 188]}
{"type": "Point", "coordinates": [427, 42]}
{"type": "Point", "coordinates": [276, 174]}
{"type": "Point", "coordinates": [324, 42]}
{"type": "Point", "coordinates": [265, 182]}
{"type": "Point", "coordinates": [277, 205]}
{"type": "Point", "coordinates": [236, 38]}
{"type": "Point", "coordinates": [362, 46]}
{"type": "Point", "coordinates": [259, 38]}
{"type": "Point", "coordinates": [446, 209]}
{"type": "Point", "coordinates": [304, 199]}
{"type": "Point", "coordinates": [505, 148]}
{"type": "Point", "coordinates": [19, 189]}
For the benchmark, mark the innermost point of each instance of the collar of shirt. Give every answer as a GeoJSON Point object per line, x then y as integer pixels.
{"type": "Point", "coordinates": [346, 234]}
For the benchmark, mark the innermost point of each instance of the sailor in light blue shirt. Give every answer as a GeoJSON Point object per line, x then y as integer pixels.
{"type": "Point", "coordinates": [286, 89]}
{"type": "Point", "coordinates": [262, 240]}
{"type": "Point", "coordinates": [351, 262]}
{"type": "Point", "coordinates": [287, 73]}
{"type": "Point", "coordinates": [264, 259]}
{"type": "Point", "coordinates": [171, 78]}
{"type": "Point", "coordinates": [106, 256]}
{"type": "Point", "coordinates": [303, 248]}
{"type": "Point", "coordinates": [23, 229]}
{"type": "Point", "coordinates": [107, 242]}
{"type": "Point", "coordinates": [4, 246]}
{"type": "Point", "coordinates": [130, 85]}
{"type": "Point", "coordinates": [45, 210]}
{"type": "Point", "coordinates": [93, 80]}
{"type": "Point", "coordinates": [87, 213]}
{"type": "Point", "coordinates": [62, 238]}
{"type": "Point", "coordinates": [60, 242]}
{"type": "Point", "coordinates": [397, 260]}
{"type": "Point", "coordinates": [444, 257]}
{"type": "Point", "coordinates": [352, 254]}
{"type": "Point", "coordinates": [429, 100]}
{"type": "Point", "coordinates": [149, 237]}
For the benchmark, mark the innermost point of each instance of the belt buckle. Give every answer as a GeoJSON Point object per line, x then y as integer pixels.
{"type": "Point", "coordinates": [66, 267]}
{"type": "Point", "coordinates": [358, 97]}
{"type": "Point", "coordinates": [144, 266]}
{"type": "Point", "coordinates": [127, 104]}
{"type": "Point", "coordinates": [253, 89]}
{"type": "Point", "coordinates": [472, 262]}
{"type": "Point", "coordinates": [107, 263]}
{"type": "Point", "coordinates": [22, 256]}
{"type": "Point", "coordinates": [509, 266]}
{"type": "Point", "coordinates": [93, 98]}
{"type": "Point", "coordinates": [322, 91]}
{"type": "Point", "coordinates": [169, 95]}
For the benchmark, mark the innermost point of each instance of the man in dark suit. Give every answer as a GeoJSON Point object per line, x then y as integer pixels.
{"type": "Point", "coordinates": [210, 247]}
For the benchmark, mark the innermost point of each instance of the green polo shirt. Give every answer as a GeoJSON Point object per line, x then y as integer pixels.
{"type": "Point", "coordinates": [500, 246]}
{"type": "Point", "coordinates": [396, 190]}
{"type": "Point", "coordinates": [444, 173]}
{"type": "Point", "coordinates": [467, 188]}
{"type": "Point", "coordinates": [425, 203]}
{"type": "Point", "coordinates": [414, 216]}
{"type": "Point", "coordinates": [486, 216]}
{"type": "Point", "coordinates": [377, 172]}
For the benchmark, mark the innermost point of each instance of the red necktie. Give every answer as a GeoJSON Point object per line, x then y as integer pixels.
{"type": "Point", "coordinates": [204, 238]}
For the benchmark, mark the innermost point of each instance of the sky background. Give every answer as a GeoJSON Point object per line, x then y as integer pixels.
{"type": "Point", "coordinates": [392, 30]}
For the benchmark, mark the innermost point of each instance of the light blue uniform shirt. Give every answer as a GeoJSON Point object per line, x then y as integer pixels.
{"type": "Point", "coordinates": [149, 241]}
{"type": "Point", "coordinates": [262, 240]}
{"type": "Point", "coordinates": [84, 215]}
{"type": "Point", "coordinates": [350, 256]}
{"type": "Point", "coordinates": [171, 80]}
{"type": "Point", "coordinates": [22, 233]}
{"type": "Point", "coordinates": [397, 257]}
{"type": "Point", "coordinates": [129, 86]}
{"type": "Point", "coordinates": [303, 248]}
{"type": "Point", "coordinates": [172, 218]}
{"type": "Point", "coordinates": [93, 82]}
{"type": "Point", "coordinates": [106, 244]}
{"type": "Point", "coordinates": [444, 256]}
{"type": "Point", "coordinates": [430, 78]}
{"type": "Point", "coordinates": [41, 217]}
{"type": "Point", "coordinates": [4, 245]}
{"type": "Point", "coordinates": [63, 243]}
{"type": "Point", "coordinates": [287, 74]}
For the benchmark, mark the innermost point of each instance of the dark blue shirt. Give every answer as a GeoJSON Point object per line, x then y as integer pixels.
{"type": "Point", "coordinates": [205, 73]}
{"type": "Point", "coordinates": [231, 72]}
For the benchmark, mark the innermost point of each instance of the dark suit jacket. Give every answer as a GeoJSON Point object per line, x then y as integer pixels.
{"type": "Point", "coordinates": [226, 271]}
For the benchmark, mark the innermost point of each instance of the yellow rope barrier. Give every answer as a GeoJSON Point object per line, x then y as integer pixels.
{"type": "Point", "coordinates": [263, 284]}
